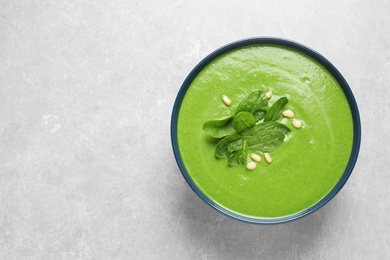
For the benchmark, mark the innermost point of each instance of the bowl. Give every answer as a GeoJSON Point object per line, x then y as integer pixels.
{"type": "Point", "coordinates": [311, 165]}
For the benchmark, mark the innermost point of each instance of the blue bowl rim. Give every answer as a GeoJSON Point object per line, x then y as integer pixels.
{"type": "Point", "coordinates": [284, 43]}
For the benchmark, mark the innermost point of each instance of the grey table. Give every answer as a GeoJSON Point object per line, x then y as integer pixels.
{"type": "Point", "coordinates": [86, 93]}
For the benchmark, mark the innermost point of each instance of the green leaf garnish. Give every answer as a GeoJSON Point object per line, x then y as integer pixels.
{"type": "Point", "coordinates": [276, 109]}
{"type": "Point", "coordinates": [243, 120]}
{"type": "Point", "coordinates": [269, 125]}
{"type": "Point", "coordinates": [253, 128]}
{"type": "Point", "coordinates": [265, 141]}
{"type": "Point", "coordinates": [219, 128]}
{"type": "Point", "coordinates": [259, 115]}
{"type": "Point", "coordinates": [228, 145]}
{"type": "Point", "coordinates": [240, 156]}
{"type": "Point", "coordinates": [254, 103]}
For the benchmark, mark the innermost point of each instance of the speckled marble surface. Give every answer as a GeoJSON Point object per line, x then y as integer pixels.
{"type": "Point", "coordinates": [86, 93]}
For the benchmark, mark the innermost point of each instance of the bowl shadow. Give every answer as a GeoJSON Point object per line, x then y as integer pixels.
{"type": "Point", "coordinates": [218, 236]}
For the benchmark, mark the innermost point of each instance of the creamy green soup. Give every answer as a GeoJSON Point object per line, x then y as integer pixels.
{"type": "Point", "coordinates": [304, 168]}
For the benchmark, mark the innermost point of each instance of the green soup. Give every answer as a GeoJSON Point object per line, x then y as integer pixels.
{"type": "Point", "coordinates": [305, 167]}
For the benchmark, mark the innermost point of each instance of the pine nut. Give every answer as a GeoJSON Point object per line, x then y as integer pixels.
{"type": "Point", "coordinates": [268, 94]}
{"type": "Point", "coordinates": [255, 157]}
{"type": "Point", "coordinates": [268, 157]}
{"type": "Point", "coordinates": [226, 100]}
{"type": "Point", "coordinates": [297, 124]}
{"type": "Point", "coordinates": [251, 166]}
{"type": "Point", "coordinates": [288, 113]}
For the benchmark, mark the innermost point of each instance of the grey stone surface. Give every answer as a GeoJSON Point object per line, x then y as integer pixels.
{"type": "Point", "coordinates": [86, 93]}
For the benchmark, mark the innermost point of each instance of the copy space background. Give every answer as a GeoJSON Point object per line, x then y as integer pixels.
{"type": "Point", "coordinates": [86, 94]}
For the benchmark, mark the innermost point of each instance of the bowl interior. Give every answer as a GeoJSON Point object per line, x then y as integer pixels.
{"type": "Point", "coordinates": [219, 54]}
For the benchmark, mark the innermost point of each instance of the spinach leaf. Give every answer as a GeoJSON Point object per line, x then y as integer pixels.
{"type": "Point", "coordinates": [259, 115]}
{"type": "Point", "coordinates": [234, 146]}
{"type": "Point", "coordinates": [243, 120]}
{"type": "Point", "coordinates": [276, 109]}
{"type": "Point", "coordinates": [228, 145]}
{"type": "Point", "coordinates": [254, 103]}
{"type": "Point", "coordinates": [240, 156]}
{"type": "Point", "coordinates": [265, 141]}
{"type": "Point", "coordinates": [219, 128]}
{"type": "Point", "coordinates": [268, 125]}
